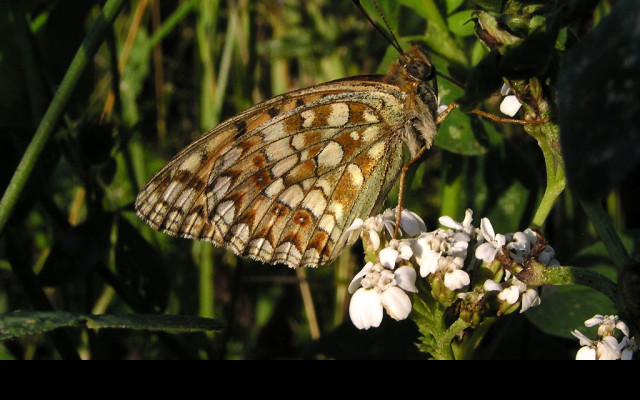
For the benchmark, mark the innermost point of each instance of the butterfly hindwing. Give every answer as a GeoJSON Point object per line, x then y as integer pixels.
{"type": "Point", "coordinates": [282, 181]}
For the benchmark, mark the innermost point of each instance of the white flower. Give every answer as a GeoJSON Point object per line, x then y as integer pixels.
{"type": "Point", "coordinates": [439, 249]}
{"type": "Point", "coordinates": [608, 324]}
{"type": "Point", "coordinates": [465, 226]}
{"type": "Point", "coordinates": [628, 346]}
{"type": "Point", "coordinates": [410, 222]}
{"type": "Point", "coordinates": [605, 349]}
{"type": "Point", "coordinates": [487, 251]}
{"type": "Point", "coordinates": [397, 251]}
{"type": "Point", "coordinates": [530, 299]}
{"type": "Point", "coordinates": [510, 105]}
{"type": "Point", "coordinates": [372, 227]}
{"type": "Point", "coordinates": [377, 287]}
{"type": "Point", "coordinates": [516, 290]}
{"type": "Point", "coordinates": [455, 278]}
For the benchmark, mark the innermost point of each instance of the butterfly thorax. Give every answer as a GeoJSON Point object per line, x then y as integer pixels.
{"type": "Point", "coordinates": [413, 73]}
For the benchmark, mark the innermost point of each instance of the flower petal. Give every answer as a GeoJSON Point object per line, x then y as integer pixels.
{"type": "Point", "coordinates": [357, 224]}
{"type": "Point", "coordinates": [411, 223]}
{"type": "Point", "coordinates": [406, 279]}
{"type": "Point", "coordinates": [388, 257]}
{"type": "Point", "coordinates": [487, 230]}
{"type": "Point", "coordinates": [375, 240]}
{"type": "Point", "coordinates": [365, 309]}
{"type": "Point", "coordinates": [428, 262]}
{"type": "Point", "coordinates": [623, 328]}
{"type": "Point", "coordinates": [595, 320]}
{"type": "Point", "coordinates": [355, 282]}
{"type": "Point", "coordinates": [586, 353]}
{"type": "Point", "coordinates": [492, 286]}
{"type": "Point", "coordinates": [450, 223]}
{"type": "Point", "coordinates": [584, 340]}
{"type": "Point", "coordinates": [396, 302]}
{"type": "Point", "coordinates": [486, 252]}
{"type": "Point", "coordinates": [456, 279]}
{"type": "Point", "coordinates": [608, 349]}
{"type": "Point", "coordinates": [510, 105]}
{"type": "Point", "coordinates": [530, 299]}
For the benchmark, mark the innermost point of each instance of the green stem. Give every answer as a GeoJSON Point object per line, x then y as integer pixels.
{"type": "Point", "coordinates": [82, 58]}
{"type": "Point", "coordinates": [554, 165]}
{"type": "Point", "coordinates": [604, 226]}
{"type": "Point", "coordinates": [540, 274]}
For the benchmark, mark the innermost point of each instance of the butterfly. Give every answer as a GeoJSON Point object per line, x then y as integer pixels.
{"type": "Point", "coordinates": [282, 181]}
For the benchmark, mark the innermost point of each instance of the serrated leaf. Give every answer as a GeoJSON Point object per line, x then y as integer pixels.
{"type": "Point", "coordinates": [22, 323]}
{"type": "Point", "coordinates": [152, 322]}
{"type": "Point", "coordinates": [599, 104]}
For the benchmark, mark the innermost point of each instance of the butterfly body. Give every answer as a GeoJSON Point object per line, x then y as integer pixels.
{"type": "Point", "coordinates": [282, 181]}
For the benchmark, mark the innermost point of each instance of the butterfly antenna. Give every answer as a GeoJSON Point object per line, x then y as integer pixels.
{"type": "Point", "coordinates": [391, 38]}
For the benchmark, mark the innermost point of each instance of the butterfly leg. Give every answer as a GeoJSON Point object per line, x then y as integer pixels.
{"type": "Point", "coordinates": [403, 175]}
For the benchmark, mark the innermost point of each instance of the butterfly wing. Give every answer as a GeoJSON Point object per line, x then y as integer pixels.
{"type": "Point", "coordinates": [282, 181]}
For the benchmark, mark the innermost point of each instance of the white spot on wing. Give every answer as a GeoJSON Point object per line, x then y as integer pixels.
{"type": "Point", "coordinates": [370, 133]}
{"type": "Point", "coordinates": [227, 211]}
{"type": "Point", "coordinates": [327, 223]}
{"type": "Point", "coordinates": [278, 150]}
{"type": "Point", "coordinates": [339, 114]}
{"type": "Point", "coordinates": [315, 202]}
{"type": "Point", "coordinates": [308, 116]}
{"type": "Point", "coordinates": [275, 188]}
{"type": "Point", "coordinates": [193, 162]}
{"type": "Point", "coordinates": [283, 166]}
{"type": "Point", "coordinates": [292, 196]}
{"type": "Point", "coordinates": [273, 131]}
{"type": "Point", "coordinates": [377, 150]}
{"type": "Point", "coordinates": [356, 175]}
{"type": "Point", "coordinates": [331, 155]}
{"type": "Point", "coordinates": [337, 210]}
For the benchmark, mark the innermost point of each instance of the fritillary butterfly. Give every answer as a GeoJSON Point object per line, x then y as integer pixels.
{"type": "Point", "coordinates": [283, 180]}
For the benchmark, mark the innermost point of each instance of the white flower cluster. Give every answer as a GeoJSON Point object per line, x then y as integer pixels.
{"type": "Point", "coordinates": [607, 346]}
{"type": "Point", "coordinates": [440, 254]}
{"type": "Point", "coordinates": [519, 245]}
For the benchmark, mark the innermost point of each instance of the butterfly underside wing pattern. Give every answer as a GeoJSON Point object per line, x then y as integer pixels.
{"type": "Point", "coordinates": [283, 180]}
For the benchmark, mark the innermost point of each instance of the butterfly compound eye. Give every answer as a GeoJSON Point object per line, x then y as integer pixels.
{"type": "Point", "coordinates": [420, 70]}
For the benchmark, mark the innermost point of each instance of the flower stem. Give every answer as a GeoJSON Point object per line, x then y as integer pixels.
{"type": "Point", "coordinates": [541, 274]}
{"type": "Point", "coordinates": [49, 121]}
{"type": "Point", "coordinates": [556, 180]}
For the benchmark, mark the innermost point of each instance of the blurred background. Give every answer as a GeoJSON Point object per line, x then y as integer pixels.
{"type": "Point", "coordinates": [170, 70]}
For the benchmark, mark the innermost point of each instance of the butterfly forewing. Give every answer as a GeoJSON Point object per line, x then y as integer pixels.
{"type": "Point", "coordinates": [283, 180]}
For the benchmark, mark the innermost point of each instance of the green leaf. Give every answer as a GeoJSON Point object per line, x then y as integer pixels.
{"type": "Point", "coordinates": [150, 322]}
{"type": "Point", "coordinates": [490, 5]}
{"type": "Point", "coordinates": [21, 323]}
{"type": "Point", "coordinates": [459, 23]}
{"type": "Point", "coordinates": [465, 134]}
{"type": "Point", "coordinates": [599, 104]}
{"type": "Point", "coordinates": [453, 5]}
